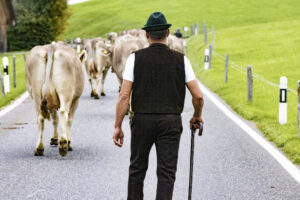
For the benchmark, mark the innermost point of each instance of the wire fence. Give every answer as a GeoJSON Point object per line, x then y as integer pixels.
{"type": "Point", "coordinates": [243, 70]}
{"type": "Point", "coordinates": [15, 67]}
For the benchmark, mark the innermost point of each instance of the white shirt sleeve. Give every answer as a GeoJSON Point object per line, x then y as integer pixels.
{"type": "Point", "coordinates": [189, 73]}
{"type": "Point", "coordinates": [128, 73]}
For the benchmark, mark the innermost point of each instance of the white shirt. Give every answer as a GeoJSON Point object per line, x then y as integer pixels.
{"type": "Point", "coordinates": [128, 73]}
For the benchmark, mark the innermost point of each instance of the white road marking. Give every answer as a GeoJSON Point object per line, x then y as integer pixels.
{"type": "Point", "coordinates": [71, 2]}
{"type": "Point", "coordinates": [292, 169]}
{"type": "Point", "coordinates": [16, 103]}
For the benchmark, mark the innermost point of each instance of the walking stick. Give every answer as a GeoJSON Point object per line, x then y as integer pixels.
{"type": "Point", "coordinates": [192, 157]}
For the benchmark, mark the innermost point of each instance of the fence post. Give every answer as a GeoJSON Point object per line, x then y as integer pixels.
{"type": "Point", "coordinates": [283, 100]}
{"type": "Point", "coordinates": [72, 42]}
{"type": "Point", "coordinates": [2, 86]}
{"type": "Point", "coordinates": [205, 32]}
{"type": "Point", "coordinates": [14, 71]}
{"type": "Point", "coordinates": [196, 29]}
{"type": "Point", "coordinates": [210, 55]}
{"type": "Point", "coordinates": [226, 69]}
{"type": "Point", "coordinates": [78, 44]}
{"type": "Point", "coordinates": [299, 108]}
{"type": "Point", "coordinates": [250, 82]}
{"type": "Point", "coordinates": [213, 38]}
{"type": "Point", "coordinates": [5, 74]}
{"type": "Point", "coordinates": [24, 55]}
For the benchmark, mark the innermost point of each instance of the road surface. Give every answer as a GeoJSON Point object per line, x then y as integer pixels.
{"type": "Point", "coordinates": [228, 163]}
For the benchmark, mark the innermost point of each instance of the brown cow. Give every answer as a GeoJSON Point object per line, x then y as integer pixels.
{"type": "Point", "coordinates": [124, 46]}
{"type": "Point", "coordinates": [98, 62]}
{"type": "Point", "coordinates": [55, 81]}
{"type": "Point", "coordinates": [175, 43]}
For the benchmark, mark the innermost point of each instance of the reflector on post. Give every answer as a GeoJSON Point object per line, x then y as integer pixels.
{"type": "Point", "coordinates": [206, 59]}
{"type": "Point", "coordinates": [5, 75]}
{"type": "Point", "coordinates": [283, 100]}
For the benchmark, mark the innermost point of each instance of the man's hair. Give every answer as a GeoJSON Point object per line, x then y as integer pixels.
{"type": "Point", "coordinates": [158, 35]}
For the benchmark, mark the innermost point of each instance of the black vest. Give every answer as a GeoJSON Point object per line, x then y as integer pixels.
{"type": "Point", "coordinates": [159, 81]}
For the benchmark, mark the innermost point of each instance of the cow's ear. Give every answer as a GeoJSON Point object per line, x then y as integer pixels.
{"type": "Point", "coordinates": [83, 56]}
{"type": "Point", "coordinates": [110, 47]}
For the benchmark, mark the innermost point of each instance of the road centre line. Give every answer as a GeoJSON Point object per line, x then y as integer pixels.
{"type": "Point", "coordinates": [292, 169]}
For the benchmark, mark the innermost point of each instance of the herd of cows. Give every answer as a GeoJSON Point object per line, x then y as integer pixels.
{"type": "Point", "coordinates": [55, 77]}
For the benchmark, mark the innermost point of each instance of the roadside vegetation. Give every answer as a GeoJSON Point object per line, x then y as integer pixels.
{"type": "Point", "coordinates": [272, 49]}
{"type": "Point", "coordinates": [20, 77]}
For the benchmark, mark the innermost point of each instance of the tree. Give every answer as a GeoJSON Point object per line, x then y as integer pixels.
{"type": "Point", "coordinates": [38, 22]}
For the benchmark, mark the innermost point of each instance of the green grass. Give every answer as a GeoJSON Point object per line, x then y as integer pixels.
{"type": "Point", "coordinates": [97, 17]}
{"type": "Point", "coordinates": [20, 77]}
{"type": "Point", "coordinates": [272, 49]}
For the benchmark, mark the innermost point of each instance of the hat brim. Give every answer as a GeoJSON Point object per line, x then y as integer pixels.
{"type": "Point", "coordinates": [158, 27]}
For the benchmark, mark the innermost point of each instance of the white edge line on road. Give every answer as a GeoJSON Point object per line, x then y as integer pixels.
{"type": "Point", "coordinates": [292, 169]}
{"type": "Point", "coordinates": [12, 106]}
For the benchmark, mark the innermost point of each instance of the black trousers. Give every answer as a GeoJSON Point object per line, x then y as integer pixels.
{"type": "Point", "coordinates": [164, 131]}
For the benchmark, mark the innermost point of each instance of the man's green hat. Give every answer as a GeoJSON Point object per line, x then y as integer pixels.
{"type": "Point", "coordinates": [156, 22]}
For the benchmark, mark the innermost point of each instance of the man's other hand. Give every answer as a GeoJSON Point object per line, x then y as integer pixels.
{"type": "Point", "coordinates": [118, 137]}
{"type": "Point", "coordinates": [193, 122]}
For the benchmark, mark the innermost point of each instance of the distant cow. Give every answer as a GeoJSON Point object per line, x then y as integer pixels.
{"type": "Point", "coordinates": [124, 46]}
{"type": "Point", "coordinates": [112, 36]}
{"type": "Point", "coordinates": [55, 81]}
{"type": "Point", "coordinates": [99, 60]}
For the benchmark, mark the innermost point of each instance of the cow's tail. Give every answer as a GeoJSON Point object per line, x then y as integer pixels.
{"type": "Point", "coordinates": [49, 64]}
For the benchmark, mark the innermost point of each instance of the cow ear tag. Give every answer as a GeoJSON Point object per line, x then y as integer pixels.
{"type": "Point", "coordinates": [105, 52]}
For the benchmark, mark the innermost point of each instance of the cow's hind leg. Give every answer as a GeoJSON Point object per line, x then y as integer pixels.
{"type": "Point", "coordinates": [70, 120]}
{"type": "Point", "coordinates": [104, 73]}
{"type": "Point", "coordinates": [39, 150]}
{"type": "Point", "coordinates": [63, 118]}
{"type": "Point", "coordinates": [54, 139]}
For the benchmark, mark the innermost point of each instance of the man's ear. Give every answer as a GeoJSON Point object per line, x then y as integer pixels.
{"type": "Point", "coordinates": [147, 35]}
{"type": "Point", "coordinates": [168, 32]}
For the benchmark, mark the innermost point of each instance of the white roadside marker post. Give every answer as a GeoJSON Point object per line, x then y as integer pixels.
{"type": "Point", "coordinates": [78, 44]}
{"type": "Point", "coordinates": [206, 59]}
{"type": "Point", "coordinates": [185, 30]}
{"type": "Point", "coordinates": [299, 108]}
{"type": "Point", "coordinates": [196, 29]}
{"type": "Point", "coordinates": [283, 100]}
{"type": "Point", "coordinates": [5, 75]}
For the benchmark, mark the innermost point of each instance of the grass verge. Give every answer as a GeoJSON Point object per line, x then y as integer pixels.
{"type": "Point", "coordinates": [20, 77]}
{"type": "Point", "coordinates": [272, 49]}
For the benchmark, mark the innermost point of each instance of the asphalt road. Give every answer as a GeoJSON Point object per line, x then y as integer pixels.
{"type": "Point", "coordinates": [228, 163]}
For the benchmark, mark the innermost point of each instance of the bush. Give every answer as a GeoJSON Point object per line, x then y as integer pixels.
{"type": "Point", "coordinates": [38, 22]}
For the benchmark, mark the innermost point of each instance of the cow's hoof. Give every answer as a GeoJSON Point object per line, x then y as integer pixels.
{"type": "Point", "coordinates": [54, 141]}
{"type": "Point", "coordinates": [39, 152]}
{"type": "Point", "coordinates": [92, 94]}
{"type": "Point", "coordinates": [103, 94]}
{"type": "Point", "coordinates": [70, 146]}
{"type": "Point", "coordinates": [96, 96]}
{"type": "Point", "coordinates": [63, 147]}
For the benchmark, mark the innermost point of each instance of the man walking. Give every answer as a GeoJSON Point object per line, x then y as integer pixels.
{"type": "Point", "coordinates": [157, 77]}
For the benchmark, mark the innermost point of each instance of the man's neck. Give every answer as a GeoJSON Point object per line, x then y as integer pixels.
{"type": "Point", "coordinates": [158, 41]}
